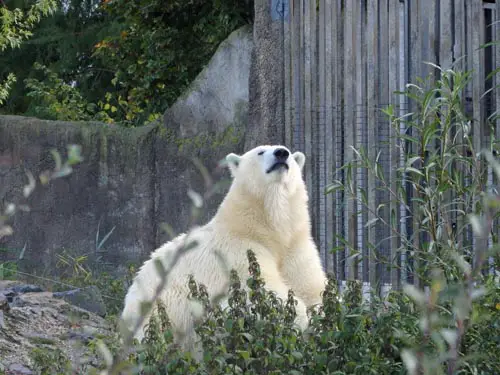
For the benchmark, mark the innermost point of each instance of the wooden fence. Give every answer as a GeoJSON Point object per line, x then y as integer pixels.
{"type": "Point", "coordinates": [343, 61]}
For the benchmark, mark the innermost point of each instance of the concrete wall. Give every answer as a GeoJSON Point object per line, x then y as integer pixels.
{"type": "Point", "coordinates": [131, 179]}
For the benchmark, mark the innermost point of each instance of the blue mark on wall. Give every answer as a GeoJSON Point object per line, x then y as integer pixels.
{"type": "Point", "coordinates": [280, 10]}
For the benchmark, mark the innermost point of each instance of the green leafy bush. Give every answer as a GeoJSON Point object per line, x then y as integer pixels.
{"type": "Point", "coordinates": [255, 334]}
{"type": "Point", "coordinates": [54, 99]}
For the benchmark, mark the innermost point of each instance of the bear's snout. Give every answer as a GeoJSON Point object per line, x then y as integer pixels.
{"type": "Point", "coordinates": [281, 154]}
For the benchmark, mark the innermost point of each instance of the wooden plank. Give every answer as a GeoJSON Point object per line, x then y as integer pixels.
{"type": "Point", "coordinates": [428, 37]}
{"type": "Point", "coordinates": [433, 41]}
{"type": "Point", "coordinates": [296, 74]}
{"type": "Point", "coordinates": [349, 130]}
{"type": "Point", "coordinates": [426, 18]}
{"type": "Point", "coordinates": [382, 238]}
{"type": "Point", "coordinates": [497, 84]}
{"type": "Point", "coordinates": [287, 72]}
{"type": "Point", "coordinates": [358, 118]}
{"type": "Point", "coordinates": [308, 77]}
{"type": "Point", "coordinates": [311, 139]}
{"type": "Point", "coordinates": [301, 108]}
{"type": "Point", "coordinates": [329, 163]}
{"type": "Point", "coordinates": [363, 141]}
{"type": "Point", "coordinates": [384, 52]}
{"type": "Point", "coordinates": [468, 238]}
{"type": "Point", "coordinates": [459, 51]}
{"type": "Point", "coordinates": [415, 57]}
{"type": "Point", "coordinates": [459, 24]}
{"type": "Point", "coordinates": [497, 66]}
{"type": "Point", "coordinates": [403, 76]}
{"type": "Point", "coordinates": [394, 150]}
{"type": "Point", "coordinates": [477, 27]}
{"type": "Point", "coordinates": [445, 61]}
{"type": "Point", "coordinates": [469, 48]}
{"type": "Point", "coordinates": [338, 73]}
{"type": "Point", "coordinates": [372, 103]}
{"type": "Point", "coordinates": [445, 34]}
{"type": "Point", "coordinates": [495, 35]}
{"type": "Point", "coordinates": [294, 70]}
{"type": "Point", "coordinates": [320, 128]}
{"type": "Point", "coordinates": [489, 102]}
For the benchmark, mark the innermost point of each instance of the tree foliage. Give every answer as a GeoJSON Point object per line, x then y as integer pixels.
{"type": "Point", "coordinates": [127, 60]}
{"type": "Point", "coordinates": [160, 48]}
{"type": "Point", "coordinates": [16, 25]}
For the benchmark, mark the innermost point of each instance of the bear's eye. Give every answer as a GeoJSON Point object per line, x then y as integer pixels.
{"type": "Point", "coordinates": [261, 153]}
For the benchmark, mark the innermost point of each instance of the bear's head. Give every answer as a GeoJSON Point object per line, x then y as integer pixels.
{"type": "Point", "coordinates": [267, 167]}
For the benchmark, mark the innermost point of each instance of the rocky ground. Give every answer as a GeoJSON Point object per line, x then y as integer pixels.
{"type": "Point", "coordinates": [37, 326]}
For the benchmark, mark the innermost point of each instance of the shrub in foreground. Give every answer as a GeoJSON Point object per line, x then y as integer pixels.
{"type": "Point", "coordinates": [348, 335]}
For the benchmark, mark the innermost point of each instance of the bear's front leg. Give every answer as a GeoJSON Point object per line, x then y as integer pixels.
{"type": "Point", "coordinates": [302, 270]}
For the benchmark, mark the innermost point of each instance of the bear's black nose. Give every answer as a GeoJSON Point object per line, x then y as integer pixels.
{"type": "Point", "coordinates": [281, 154]}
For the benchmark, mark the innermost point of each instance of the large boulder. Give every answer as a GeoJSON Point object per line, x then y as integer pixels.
{"type": "Point", "coordinates": [206, 123]}
{"type": "Point", "coordinates": [218, 98]}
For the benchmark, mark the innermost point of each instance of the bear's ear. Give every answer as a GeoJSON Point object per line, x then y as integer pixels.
{"type": "Point", "coordinates": [300, 158]}
{"type": "Point", "coordinates": [233, 161]}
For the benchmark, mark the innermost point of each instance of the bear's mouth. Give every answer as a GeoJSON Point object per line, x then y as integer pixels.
{"type": "Point", "coordinates": [277, 165]}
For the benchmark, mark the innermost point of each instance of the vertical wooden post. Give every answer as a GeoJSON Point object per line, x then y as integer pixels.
{"type": "Point", "coordinates": [349, 125]}
{"type": "Point", "coordinates": [360, 131]}
{"type": "Point", "coordinates": [497, 91]}
{"type": "Point", "coordinates": [309, 47]}
{"type": "Point", "coordinates": [394, 150]}
{"type": "Point", "coordinates": [445, 34]}
{"type": "Point", "coordinates": [415, 57]}
{"type": "Point", "coordinates": [372, 104]}
{"type": "Point", "coordinates": [459, 52]}
{"type": "Point", "coordinates": [329, 162]}
{"type": "Point", "coordinates": [320, 130]}
{"type": "Point", "coordinates": [403, 77]}
{"type": "Point", "coordinates": [337, 110]}
{"type": "Point", "coordinates": [478, 124]}
{"type": "Point", "coordinates": [287, 59]}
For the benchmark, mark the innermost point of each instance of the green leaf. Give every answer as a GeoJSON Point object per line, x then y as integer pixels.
{"type": "Point", "coordinates": [57, 158]}
{"type": "Point", "coordinates": [334, 187]}
{"type": "Point", "coordinates": [414, 170]}
{"type": "Point", "coordinates": [160, 268]}
{"type": "Point", "coordinates": [412, 160]}
{"type": "Point", "coordinates": [371, 222]}
{"type": "Point", "coordinates": [244, 354]}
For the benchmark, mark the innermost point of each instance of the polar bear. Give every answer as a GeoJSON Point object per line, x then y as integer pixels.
{"type": "Point", "coordinates": [265, 210]}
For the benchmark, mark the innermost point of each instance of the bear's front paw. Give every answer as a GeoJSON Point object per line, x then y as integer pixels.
{"type": "Point", "coordinates": [302, 320]}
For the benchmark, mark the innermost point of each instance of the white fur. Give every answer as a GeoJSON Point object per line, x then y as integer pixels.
{"type": "Point", "coordinates": [265, 212]}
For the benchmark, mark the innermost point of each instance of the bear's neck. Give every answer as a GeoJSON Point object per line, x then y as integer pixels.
{"type": "Point", "coordinates": [281, 215]}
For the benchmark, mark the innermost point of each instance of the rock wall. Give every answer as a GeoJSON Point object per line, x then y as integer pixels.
{"type": "Point", "coordinates": [113, 187]}
{"type": "Point", "coordinates": [131, 180]}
